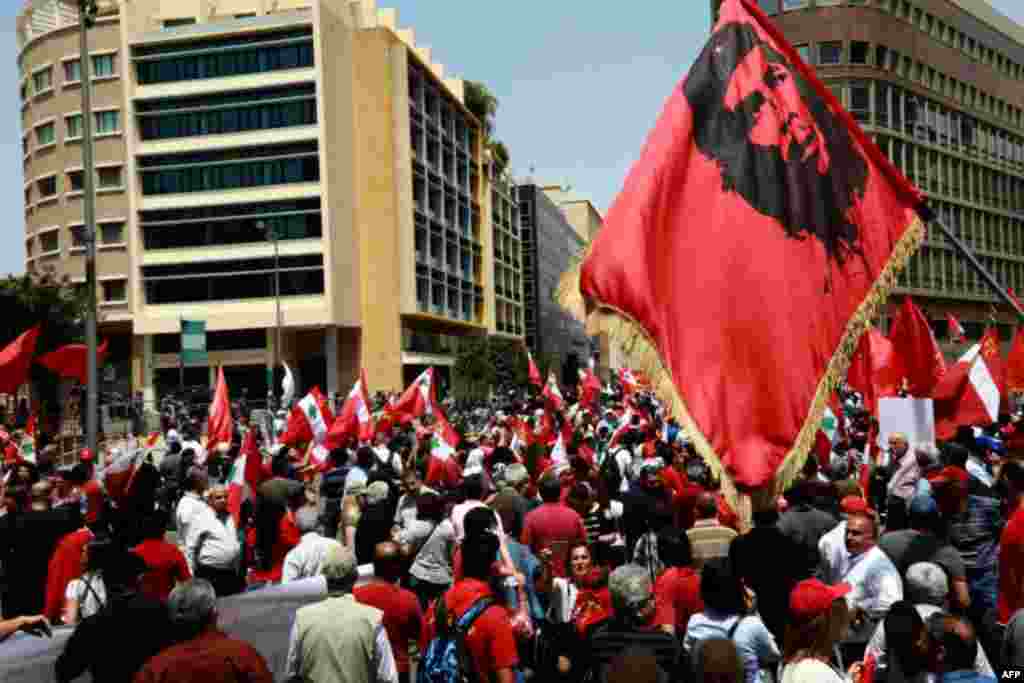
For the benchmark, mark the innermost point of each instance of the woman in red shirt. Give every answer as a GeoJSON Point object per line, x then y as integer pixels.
{"type": "Point", "coordinates": [677, 590]}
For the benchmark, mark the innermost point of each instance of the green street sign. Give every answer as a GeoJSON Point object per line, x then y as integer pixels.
{"type": "Point", "coordinates": [193, 343]}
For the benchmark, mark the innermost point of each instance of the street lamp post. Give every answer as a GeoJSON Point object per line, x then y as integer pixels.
{"type": "Point", "coordinates": [272, 235]}
{"type": "Point", "coordinates": [87, 16]}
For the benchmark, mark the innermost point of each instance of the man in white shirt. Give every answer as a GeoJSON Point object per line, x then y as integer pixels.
{"type": "Point", "coordinates": [875, 579]}
{"type": "Point", "coordinates": [305, 559]}
{"type": "Point", "coordinates": [212, 545]}
{"type": "Point", "coordinates": [191, 503]}
{"type": "Point", "coordinates": [412, 489]}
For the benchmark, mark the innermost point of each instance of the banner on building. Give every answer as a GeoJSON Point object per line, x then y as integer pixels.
{"type": "Point", "coordinates": [193, 343]}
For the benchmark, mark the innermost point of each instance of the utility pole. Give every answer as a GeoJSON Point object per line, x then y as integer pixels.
{"type": "Point", "coordinates": [87, 10]}
{"type": "Point", "coordinates": [271, 231]}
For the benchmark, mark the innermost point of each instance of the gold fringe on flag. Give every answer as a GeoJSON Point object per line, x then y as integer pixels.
{"type": "Point", "coordinates": [636, 343]}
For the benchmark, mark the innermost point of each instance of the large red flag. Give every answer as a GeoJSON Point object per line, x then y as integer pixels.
{"type": "Point", "coordinates": [354, 419]}
{"type": "Point", "coordinates": [1013, 371]}
{"type": "Point", "coordinates": [15, 361]}
{"type": "Point", "coordinates": [219, 423]}
{"type": "Point", "coordinates": [874, 369]}
{"type": "Point", "coordinates": [71, 360]}
{"type": "Point", "coordinates": [969, 393]}
{"type": "Point", "coordinates": [754, 239]}
{"type": "Point", "coordinates": [419, 398]}
{"type": "Point", "coordinates": [918, 350]}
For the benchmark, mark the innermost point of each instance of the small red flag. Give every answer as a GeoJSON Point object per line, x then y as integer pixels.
{"type": "Point", "coordinates": [957, 335]}
{"type": "Point", "coordinates": [219, 423]}
{"type": "Point", "coordinates": [71, 360]}
{"type": "Point", "coordinates": [970, 392]}
{"type": "Point", "coordinates": [756, 181]}
{"type": "Point", "coordinates": [354, 419]}
{"type": "Point", "coordinates": [874, 370]}
{"type": "Point", "coordinates": [418, 399]}
{"type": "Point", "coordinates": [15, 361]}
{"type": "Point", "coordinates": [535, 378]}
{"type": "Point", "coordinates": [919, 354]}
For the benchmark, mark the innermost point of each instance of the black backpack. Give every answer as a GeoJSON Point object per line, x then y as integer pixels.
{"type": "Point", "coordinates": [610, 473]}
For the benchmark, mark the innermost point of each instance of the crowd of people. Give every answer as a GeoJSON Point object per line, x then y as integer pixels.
{"type": "Point", "coordinates": [557, 542]}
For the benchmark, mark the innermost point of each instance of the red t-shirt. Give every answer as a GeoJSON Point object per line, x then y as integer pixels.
{"type": "Point", "coordinates": [1011, 565]}
{"type": "Point", "coordinates": [553, 523]}
{"type": "Point", "coordinates": [403, 618]}
{"type": "Point", "coordinates": [686, 505]}
{"type": "Point", "coordinates": [166, 566]}
{"type": "Point", "coordinates": [446, 474]}
{"type": "Point", "coordinates": [491, 640]}
{"type": "Point", "coordinates": [677, 592]}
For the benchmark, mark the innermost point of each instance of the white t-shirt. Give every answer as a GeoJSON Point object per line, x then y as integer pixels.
{"type": "Point", "coordinates": [89, 601]}
{"type": "Point", "coordinates": [810, 671]}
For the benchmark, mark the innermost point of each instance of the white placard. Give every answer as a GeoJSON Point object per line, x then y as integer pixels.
{"type": "Point", "coordinates": [915, 417]}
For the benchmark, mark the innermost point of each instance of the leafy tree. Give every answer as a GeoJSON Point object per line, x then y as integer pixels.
{"type": "Point", "coordinates": [473, 372]}
{"type": "Point", "coordinates": [482, 103]}
{"type": "Point", "coordinates": [499, 152]}
{"type": "Point", "coordinates": [511, 369]}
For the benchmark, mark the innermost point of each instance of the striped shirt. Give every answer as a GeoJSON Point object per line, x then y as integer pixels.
{"type": "Point", "coordinates": [975, 533]}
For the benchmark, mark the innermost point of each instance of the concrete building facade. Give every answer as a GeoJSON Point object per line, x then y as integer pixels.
{"type": "Point", "coordinates": [550, 244]}
{"type": "Point", "coordinates": [218, 121]}
{"type": "Point", "coordinates": [938, 85]}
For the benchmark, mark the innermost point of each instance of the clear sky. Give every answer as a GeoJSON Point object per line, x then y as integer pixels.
{"type": "Point", "coordinates": [579, 83]}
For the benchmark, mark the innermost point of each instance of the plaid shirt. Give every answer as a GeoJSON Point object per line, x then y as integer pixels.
{"type": "Point", "coordinates": [975, 533]}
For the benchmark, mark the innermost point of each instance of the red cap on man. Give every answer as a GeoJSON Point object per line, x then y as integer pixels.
{"type": "Point", "coordinates": [811, 598]}
{"type": "Point", "coordinates": [855, 505]}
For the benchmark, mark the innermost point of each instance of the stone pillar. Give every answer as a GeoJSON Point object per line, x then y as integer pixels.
{"type": "Point", "coordinates": [331, 355]}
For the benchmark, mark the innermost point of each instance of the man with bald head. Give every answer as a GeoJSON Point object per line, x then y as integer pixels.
{"type": "Point", "coordinates": [403, 618]}
{"type": "Point", "coordinates": [708, 537]}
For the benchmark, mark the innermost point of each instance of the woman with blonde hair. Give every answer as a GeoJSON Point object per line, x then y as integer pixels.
{"type": "Point", "coordinates": [819, 618]}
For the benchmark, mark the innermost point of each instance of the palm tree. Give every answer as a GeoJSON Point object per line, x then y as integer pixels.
{"type": "Point", "coordinates": [482, 103]}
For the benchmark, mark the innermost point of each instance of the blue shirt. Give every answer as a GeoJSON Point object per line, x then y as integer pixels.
{"type": "Point", "coordinates": [529, 566]}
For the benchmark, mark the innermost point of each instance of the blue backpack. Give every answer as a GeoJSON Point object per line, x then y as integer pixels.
{"type": "Point", "coordinates": [447, 659]}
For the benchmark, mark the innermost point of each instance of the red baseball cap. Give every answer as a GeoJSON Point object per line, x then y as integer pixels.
{"type": "Point", "coordinates": [85, 455]}
{"type": "Point", "coordinates": [853, 505]}
{"type": "Point", "coordinates": [811, 598]}
{"type": "Point", "coordinates": [950, 473]}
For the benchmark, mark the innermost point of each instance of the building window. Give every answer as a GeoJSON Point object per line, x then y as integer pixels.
{"type": "Point", "coordinates": [805, 53]}
{"type": "Point", "coordinates": [233, 280]}
{"type": "Point", "coordinates": [858, 52]}
{"type": "Point", "coordinates": [860, 100]}
{"type": "Point", "coordinates": [47, 187]}
{"type": "Point", "coordinates": [46, 134]}
{"type": "Point", "coordinates": [793, 4]}
{"type": "Point", "coordinates": [77, 237]}
{"type": "Point", "coordinates": [111, 233]}
{"type": "Point", "coordinates": [231, 113]}
{"type": "Point", "coordinates": [230, 224]}
{"type": "Point", "coordinates": [42, 80]}
{"type": "Point", "coordinates": [104, 66]}
{"type": "Point", "coordinates": [226, 57]}
{"type": "Point", "coordinates": [73, 71]}
{"type": "Point", "coordinates": [109, 178]}
{"type": "Point", "coordinates": [75, 181]}
{"type": "Point", "coordinates": [114, 291]}
{"type": "Point", "coordinates": [830, 53]}
{"type": "Point", "coordinates": [769, 7]}
{"type": "Point", "coordinates": [49, 242]}
{"type": "Point", "coordinates": [183, 21]}
{"type": "Point", "coordinates": [108, 122]}
{"type": "Point", "coordinates": [73, 124]}
{"type": "Point", "coordinates": [882, 57]}
{"type": "Point", "coordinates": [226, 170]}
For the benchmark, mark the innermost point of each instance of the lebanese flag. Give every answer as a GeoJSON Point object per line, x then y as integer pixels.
{"type": "Point", "coordinates": [355, 418]}
{"type": "Point", "coordinates": [559, 455]}
{"type": "Point", "coordinates": [1014, 365]}
{"type": "Point", "coordinates": [15, 361]}
{"type": "Point", "coordinates": [552, 393]}
{"type": "Point", "coordinates": [419, 399]}
{"type": "Point", "coordinates": [71, 361]}
{"type": "Point", "coordinates": [535, 377]}
{"type": "Point", "coordinates": [919, 354]}
{"type": "Point", "coordinates": [219, 423]}
{"type": "Point", "coordinates": [119, 475]}
{"type": "Point", "coordinates": [442, 468]}
{"type": "Point", "coordinates": [957, 335]}
{"type": "Point", "coordinates": [875, 370]}
{"type": "Point", "coordinates": [754, 240]}
{"type": "Point", "coordinates": [309, 420]}
{"type": "Point", "coordinates": [246, 475]}
{"type": "Point", "coordinates": [1013, 295]}
{"type": "Point", "coordinates": [969, 392]}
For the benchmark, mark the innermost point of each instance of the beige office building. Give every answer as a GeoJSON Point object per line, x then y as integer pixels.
{"type": "Point", "coordinates": [218, 121]}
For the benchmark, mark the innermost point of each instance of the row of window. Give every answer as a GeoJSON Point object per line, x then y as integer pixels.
{"type": "Point", "coordinates": [940, 31]}
{"type": "Point", "coordinates": [230, 224]}
{"type": "Point", "coordinates": [233, 280]}
{"type": "Point", "coordinates": [832, 53]}
{"type": "Point", "coordinates": [106, 122]}
{"type": "Point", "coordinates": [42, 81]}
{"type": "Point", "coordinates": [108, 234]}
{"type": "Point", "coordinates": [290, 112]}
{"type": "Point", "coordinates": [231, 175]}
{"type": "Point", "coordinates": [451, 302]}
{"type": "Point", "coordinates": [46, 188]}
{"type": "Point", "coordinates": [195, 63]}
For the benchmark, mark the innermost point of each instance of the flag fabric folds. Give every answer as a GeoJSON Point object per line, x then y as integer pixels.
{"type": "Point", "coordinates": [16, 359]}
{"type": "Point", "coordinates": [552, 393]}
{"type": "Point", "coordinates": [874, 369]}
{"type": "Point", "coordinates": [535, 378]}
{"type": "Point", "coordinates": [957, 335]}
{"type": "Point", "coordinates": [969, 393]}
{"type": "Point", "coordinates": [419, 398]}
{"type": "Point", "coordinates": [71, 360]}
{"type": "Point", "coordinates": [246, 475]}
{"type": "Point", "coordinates": [219, 424]}
{"type": "Point", "coordinates": [1013, 369]}
{"type": "Point", "coordinates": [753, 241]}
{"type": "Point", "coordinates": [914, 343]}
{"type": "Point", "coordinates": [309, 420]}
{"type": "Point", "coordinates": [354, 419]}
